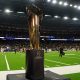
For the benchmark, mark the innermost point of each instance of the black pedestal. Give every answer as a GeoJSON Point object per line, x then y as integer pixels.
{"type": "Point", "coordinates": [35, 64]}
{"type": "Point", "coordinates": [48, 76]}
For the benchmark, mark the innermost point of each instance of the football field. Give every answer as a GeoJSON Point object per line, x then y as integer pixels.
{"type": "Point", "coordinates": [12, 61]}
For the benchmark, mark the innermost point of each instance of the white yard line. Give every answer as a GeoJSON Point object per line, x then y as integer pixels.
{"type": "Point", "coordinates": [73, 57]}
{"type": "Point", "coordinates": [56, 62]}
{"type": "Point", "coordinates": [7, 64]}
{"type": "Point", "coordinates": [47, 66]}
{"type": "Point", "coordinates": [70, 54]}
{"type": "Point", "coordinates": [58, 65]}
{"type": "Point", "coordinates": [22, 67]}
{"type": "Point", "coordinates": [76, 63]}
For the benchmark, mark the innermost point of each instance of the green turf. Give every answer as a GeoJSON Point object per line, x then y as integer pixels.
{"type": "Point", "coordinates": [75, 76]}
{"type": "Point", "coordinates": [51, 59]}
{"type": "Point", "coordinates": [16, 62]}
{"type": "Point", "coordinates": [2, 63]}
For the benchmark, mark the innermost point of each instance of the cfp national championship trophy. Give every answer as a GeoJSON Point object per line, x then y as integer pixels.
{"type": "Point", "coordinates": [35, 56]}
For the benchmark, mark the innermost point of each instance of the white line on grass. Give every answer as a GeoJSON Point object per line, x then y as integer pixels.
{"type": "Point", "coordinates": [58, 65]}
{"type": "Point", "coordinates": [22, 67]}
{"type": "Point", "coordinates": [47, 66]}
{"type": "Point", "coordinates": [56, 62]}
{"type": "Point", "coordinates": [8, 68]}
{"type": "Point", "coordinates": [72, 57]}
{"type": "Point", "coordinates": [76, 63]}
{"type": "Point", "coordinates": [70, 54]}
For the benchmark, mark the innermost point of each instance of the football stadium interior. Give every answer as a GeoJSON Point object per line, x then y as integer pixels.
{"type": "Point", "coordinates": [59, 32]}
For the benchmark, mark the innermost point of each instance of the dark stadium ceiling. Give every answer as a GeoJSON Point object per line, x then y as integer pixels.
{"type": "Point", "coordinates": [19, 14]}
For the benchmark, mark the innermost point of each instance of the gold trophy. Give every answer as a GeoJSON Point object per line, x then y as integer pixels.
{"type": "Point", "coordinates": [35, 56]}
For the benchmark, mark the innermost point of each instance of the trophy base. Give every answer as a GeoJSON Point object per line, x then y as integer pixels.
{"type": "Point", "coordinates": [48, 76]}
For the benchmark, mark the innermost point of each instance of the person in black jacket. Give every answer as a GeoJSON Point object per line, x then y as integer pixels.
{"type": "Point", "coordinates": [61, 52]}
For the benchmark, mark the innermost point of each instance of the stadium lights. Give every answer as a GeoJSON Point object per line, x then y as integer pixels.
{"type": "Point", "coordinates": [42, 39]}
{"type": "Point", "coordinates": [60, 2]}
{"type": "Point", "coordinates": [75, 19]}
{"type": "Point", "coordinates": [65, 4]}
{"type": "Point", "coordinates": [7, 11]}
{"type": "Point", "coordinates": [47, 15]}
{"type": "Point", "coordinates": [56, 16]}
{"type": "Point", "coordinates": [78, 7]}
{"type": "Point", "coordinates": [48, 0]}
{"type": "Point", "coordinates": [1, 37]}
{"type": "Point", "coordinates": [20, 12]}
{"type": "Point", "coordinates": [71, 5]}
{"type": "Point", "coordinates": [65, 18]}
{"type": "Point", "coordinates": [75, 6]}
{"type": "Point", "coordinates": [54, 1]}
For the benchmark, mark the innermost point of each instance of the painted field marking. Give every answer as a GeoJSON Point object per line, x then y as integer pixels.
{"type": "Point", "coordinates": [76, 63]}
{"type": "Point", "coordinates": [65, 54]}
{"type": "Point", "coordinates": [70, 54]}
{"type": "Point", "coordinates": [47, 66]}
{"type": "Point", "coordinates": [8, 68]}
{"type": "Point", "coordinates": [57, 62]}
{"type": "Point", "coordinates": [22, 67]}
{"type": "Point", "coordinates": [58, 65]}
{"type": "Point", "coordinates": [72, 57]}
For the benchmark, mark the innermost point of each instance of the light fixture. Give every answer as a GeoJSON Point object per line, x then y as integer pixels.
{"type": "Point", "coordinates": [71, 5]}
{"type": "Point", "coordinates": [75, 19]}
{"type": "Point", "coordinates": [20, 12]}
{"type": "Point", "coordinates": [47, 15]}
{"type": "Point", "coordinates": [43, 39]}
{"type": "Point", "coordinates": [7, 11]}
{"type": "Point", "coordinates": [65, 4]}
{"type": "Point", "coordinates": [54, 1]}
{"type": "Point", "coordinates": [78, 7]}
{"type": "Point", "coordinates": [56, 16]}
{"type": "Point", "coordinates": [48, 0]}
{"type": "Point", "coordinates": [60, 2]}
{"type": "Point", "coordinates": [75, 6]}
{"type": "Point", "coordinates": [65, 18]}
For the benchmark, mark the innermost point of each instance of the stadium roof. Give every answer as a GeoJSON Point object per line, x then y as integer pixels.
{"type": "Point", "coordinates": [58, 14]}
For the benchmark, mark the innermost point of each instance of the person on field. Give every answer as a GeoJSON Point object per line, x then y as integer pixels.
{"type": "Point", "coordinates": [61, 53]}
{"type": "Point", "coordinates": [46, 49]}
{"type": "Point", "coordinates": [15, 50]}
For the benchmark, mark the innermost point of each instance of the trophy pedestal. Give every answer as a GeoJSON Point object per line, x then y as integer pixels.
{"type": "Point", "coordinates": [35, 64]}
{"type": "Point", "coordinates": [48, 75]}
